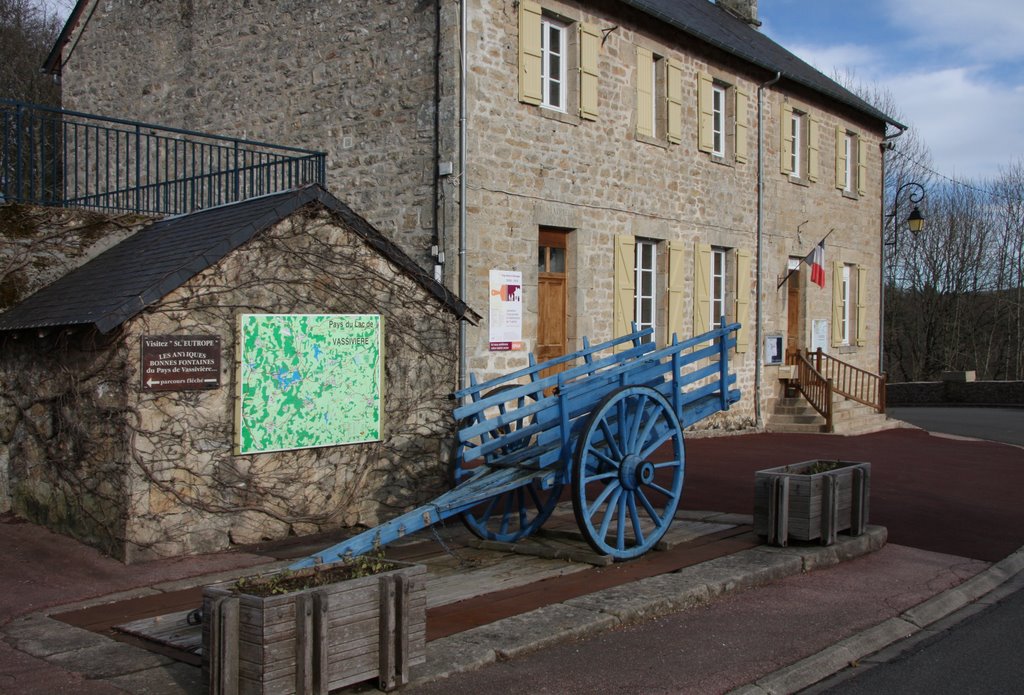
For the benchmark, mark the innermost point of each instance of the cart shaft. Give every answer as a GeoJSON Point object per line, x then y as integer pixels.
{"type": "Point", "coordinates": [485, 485]}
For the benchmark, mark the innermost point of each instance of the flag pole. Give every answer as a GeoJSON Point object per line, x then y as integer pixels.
{"type": "Point", "coordinates": [793, 270]}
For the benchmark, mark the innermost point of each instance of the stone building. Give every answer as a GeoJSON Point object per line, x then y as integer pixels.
{"type": "Point", "coordinates": [658, 161]}
{"type": "Point", "coordinates": [91, 446]}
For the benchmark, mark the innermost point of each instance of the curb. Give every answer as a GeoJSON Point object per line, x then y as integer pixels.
{"type": "Point", "coordinates": [624, 605]}
{"type": "Point", "coordinates": [892, 637]}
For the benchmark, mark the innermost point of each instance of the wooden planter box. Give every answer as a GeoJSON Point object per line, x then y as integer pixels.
{"type": "Point", "coordinates": [793, 502]}
{"type": "Point", "coordinates": [315, 640]}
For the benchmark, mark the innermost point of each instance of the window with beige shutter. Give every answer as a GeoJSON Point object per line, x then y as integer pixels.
{"type": "Point", "coordinates": [558, 63]}
{"type": "Point", "coordinates": [799, 149]}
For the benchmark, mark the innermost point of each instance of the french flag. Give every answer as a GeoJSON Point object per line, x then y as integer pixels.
{"type": "Point", "coordinates": [816, 259]}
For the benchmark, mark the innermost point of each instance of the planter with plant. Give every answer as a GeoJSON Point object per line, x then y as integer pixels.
{"type": "Point", "coordinates": [811, 500]}
{"type": "Point", "coordinates": [315, 630]}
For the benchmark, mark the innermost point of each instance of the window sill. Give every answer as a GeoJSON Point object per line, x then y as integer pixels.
{"type": "Point", "coordinates": [850, 195]}
{"type": "Point", "coordinates": [798, 181]}
{"type": "Point", "coordinates": [561, 116]}
{"type": "Point", "coordinates": [648, 140]}
{"type": "Point", "coordinates": [724, 160]}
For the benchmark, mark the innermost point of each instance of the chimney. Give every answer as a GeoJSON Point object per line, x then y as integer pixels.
{"type": "Point", "coordinates": [744, 9]}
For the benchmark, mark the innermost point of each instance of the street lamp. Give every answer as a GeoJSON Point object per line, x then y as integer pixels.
{"type": "Point", "coordinates": [915, 223]}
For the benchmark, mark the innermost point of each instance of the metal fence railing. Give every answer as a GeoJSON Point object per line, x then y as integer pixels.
{"type": "Point", "coordinates": [49, 156]}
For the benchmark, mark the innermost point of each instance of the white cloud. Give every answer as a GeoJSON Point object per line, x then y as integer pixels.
{"type": "Point", "coordinates": [979, 29]}
{"type": "Point", "coordinates": [970, 125]}
{"type": "Point", "coordinates": [953, 69]}
{"type": "Point", "coordinates": [860, 58]}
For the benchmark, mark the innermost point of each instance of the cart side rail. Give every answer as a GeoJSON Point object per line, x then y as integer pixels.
{"type": "Point", "coordinates": [628, 343]}
{"type": "Point", "coordinates": [538, 429]}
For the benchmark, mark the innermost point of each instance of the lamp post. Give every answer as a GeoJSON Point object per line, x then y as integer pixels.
{"type": "Point", "coordinates": [915, 223]}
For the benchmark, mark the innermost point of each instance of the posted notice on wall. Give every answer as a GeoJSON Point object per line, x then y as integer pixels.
{"type": "Point", "coordinates": [506, 310]}
{"type": "Point", "coordinates": [819, 334]}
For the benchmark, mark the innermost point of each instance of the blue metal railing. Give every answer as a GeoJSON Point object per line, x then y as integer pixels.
{"type": "Point", "coordinates": [49, 156]}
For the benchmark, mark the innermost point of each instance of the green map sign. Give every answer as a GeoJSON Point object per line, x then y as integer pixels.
{"type": "Point", "coordinates": [308, 380]}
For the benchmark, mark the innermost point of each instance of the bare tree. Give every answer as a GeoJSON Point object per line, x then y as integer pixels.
{"type": "Point", "coordinates": [28, 31]}
{"type": "Point", "coordinates": [954, 295]}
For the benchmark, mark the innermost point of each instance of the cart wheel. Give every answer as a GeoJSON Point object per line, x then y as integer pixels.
{"type": "Point", "coordinates": [628, 472]}
{"type": "Point", "coordinates": [515, 514]}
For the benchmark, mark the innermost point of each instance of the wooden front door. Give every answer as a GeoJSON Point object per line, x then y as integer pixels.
{"type": "Point", "coordinates": [793, 316]}
{"type": "Point", "coordinates": [552, 290]}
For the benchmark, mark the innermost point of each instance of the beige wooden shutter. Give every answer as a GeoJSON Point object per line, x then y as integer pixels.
{"type": "Point", "coordinates": [837, 303]}
{"type": "Point", "coordinates": [840, 158]}
{"type": "Point", "coordinates": [862, 307]}
{"type": "Point", "coordinates": [529, 53]}
{"type": "Point", "coordinates": [676, 280]}
{"type": "Point", "coordinates": [674, 79]}
{"type": "Point", "coordinates": [644, 95]}
{"type": "Point", "coordinates": [625, 285]}
{"type": "Point", "coordinates": [786, 140]}
{"type": "Point", "coordinates": [862, 167]}
{"type": "Point", "coordinates": [740, 146]}
{"type": "Point", "coordinates": [590, 43]}
{"type": "Point", "coordinates": [701, 288]}
{"type": "Point", "coordinates": [705, 112]}
{"type": "Point", "coordinates": [813, 151]}
{"type": "Point", "coordinates": [742, 299]}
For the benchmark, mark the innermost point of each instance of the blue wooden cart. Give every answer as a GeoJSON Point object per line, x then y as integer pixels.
{"type": "Point", "coordinates": [607, 421]}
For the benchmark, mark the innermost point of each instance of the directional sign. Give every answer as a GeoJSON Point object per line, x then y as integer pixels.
{"type": "Point", "coordinates": [180, 362]}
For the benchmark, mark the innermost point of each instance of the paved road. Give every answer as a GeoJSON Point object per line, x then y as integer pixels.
{"type": "Point", "coordinates": [983, 654]}
{"type": "Point", "coordinates": [994, 424]}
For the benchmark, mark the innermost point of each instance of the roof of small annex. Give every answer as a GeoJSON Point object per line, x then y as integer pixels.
{"type": "Point", "coordinates": [702, 19]}
{"type": "Point", "coordinates": [147, 266]}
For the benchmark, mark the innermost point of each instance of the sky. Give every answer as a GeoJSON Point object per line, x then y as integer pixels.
{"type": "Point", "coordinates": [955, 69]}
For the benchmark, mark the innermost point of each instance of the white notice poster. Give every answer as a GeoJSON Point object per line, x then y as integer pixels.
{"type": "Point", "coordinates": [819, 334]}
{"type": "Point", "coordinates": [506, 310]}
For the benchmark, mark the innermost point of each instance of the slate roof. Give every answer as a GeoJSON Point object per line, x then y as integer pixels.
{"type": "Point", "coordinates": [144, 268]}
{"type": "Point", "coordinates": [710, 23]}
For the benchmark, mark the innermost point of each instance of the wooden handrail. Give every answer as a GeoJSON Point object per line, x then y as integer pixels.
{"type": "Point", "coordinates": [814, 387]}
{"type": "Point", "coordinates": [852, 382]}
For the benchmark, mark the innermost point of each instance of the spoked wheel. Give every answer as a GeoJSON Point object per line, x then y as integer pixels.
{"type": "Point", "coordinates": [515, 514]}
{"type": "Point", "coordinates": [628, 472]}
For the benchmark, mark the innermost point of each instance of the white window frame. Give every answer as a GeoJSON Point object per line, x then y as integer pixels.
{"type": "Point", "coordinates": [844, 326]}
{"type": "Point", "coordinates": [547, 80]}
{"type": "Point", "coordinates": [718, 120]}
{"type": "Point", "coordinates": [645, 265]}
{"type": "Point", "coordinates": [849, 149]}
{"type": "Point", "coordinates": [796, 129]}
{"type": "Point", "coordinates": [718, 289]}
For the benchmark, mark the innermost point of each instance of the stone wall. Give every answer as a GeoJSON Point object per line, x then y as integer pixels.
{"type": "Point", "coordinates": [64, 440]}
{"type": "Point", "coordinates": [353, 79]}
{"type": "Point", "coordinates": [1009, 393]}
{"type": "Point", "coordinates": [144, 474]}
{"type": "Point", "coordinates": [37, 246]}
{"type": "Point", "coordinates": [40, 244]}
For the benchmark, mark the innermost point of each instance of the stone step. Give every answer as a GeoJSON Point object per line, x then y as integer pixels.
{"type": "Point", "coordinates": [791, 428]}
{"type": "Point", "coordinates": [848, 417]}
